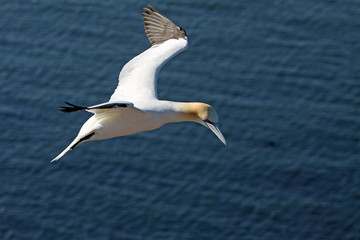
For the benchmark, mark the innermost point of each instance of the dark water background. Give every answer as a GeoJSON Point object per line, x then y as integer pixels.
{"type": "Point", "coordinates": [283, 75]}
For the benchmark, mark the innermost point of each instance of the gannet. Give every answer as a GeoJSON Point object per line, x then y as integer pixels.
{"type": "Point", "coordinates": [134, 106]}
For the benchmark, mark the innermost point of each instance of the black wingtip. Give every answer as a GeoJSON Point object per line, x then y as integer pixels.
{"type": "Point", "coordinates": [73, 108]}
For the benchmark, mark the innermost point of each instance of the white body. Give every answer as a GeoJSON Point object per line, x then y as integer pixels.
{"type": "Point", "coordinates": [114, 122]}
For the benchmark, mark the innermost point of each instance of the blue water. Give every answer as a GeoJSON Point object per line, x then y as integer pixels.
{"type": "Point", "coordinates": [284, 77]}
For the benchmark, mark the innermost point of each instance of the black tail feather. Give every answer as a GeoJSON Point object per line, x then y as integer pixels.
{"type": "Point", "coordinates": [73, 108]}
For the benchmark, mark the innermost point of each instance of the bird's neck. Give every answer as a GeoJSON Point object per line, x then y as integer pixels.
{"type": "Point", "coordinates": [184, 111]}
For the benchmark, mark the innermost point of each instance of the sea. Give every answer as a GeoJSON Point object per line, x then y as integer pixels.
{"type": "Point", "coordinates": [283, 75]}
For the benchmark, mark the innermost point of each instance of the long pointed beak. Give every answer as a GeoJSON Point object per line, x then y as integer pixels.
{"type": "Point", "coordinates": [215, 129]}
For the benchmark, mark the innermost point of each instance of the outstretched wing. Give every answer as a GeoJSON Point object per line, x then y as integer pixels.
{"type": "Point", "coordinates": [103, 107]}
{"type": "Point", "coordinates": [137, 79]}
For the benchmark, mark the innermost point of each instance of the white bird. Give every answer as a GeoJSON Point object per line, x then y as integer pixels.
{"type": "Point", "coordinates": [134, 106]}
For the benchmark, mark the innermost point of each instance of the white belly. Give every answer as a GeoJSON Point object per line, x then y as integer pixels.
{"type": "Point", "coordinates": [112, 124]}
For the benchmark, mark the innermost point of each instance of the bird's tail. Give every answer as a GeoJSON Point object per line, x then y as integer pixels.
{"type": "Point", "coordinates": [70, 147]}
{"type": "Point", "coordinates": [77, 141]}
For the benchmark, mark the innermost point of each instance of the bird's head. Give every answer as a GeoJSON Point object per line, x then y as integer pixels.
{"type": "Point", "coordinates": [206, 115]}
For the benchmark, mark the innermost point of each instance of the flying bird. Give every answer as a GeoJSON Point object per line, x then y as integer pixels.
{"type": "Point", "coordinates": [134, 106]}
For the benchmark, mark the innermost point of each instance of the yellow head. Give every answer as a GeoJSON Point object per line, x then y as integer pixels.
{"type": "Point", "coordinates": [205, 115]}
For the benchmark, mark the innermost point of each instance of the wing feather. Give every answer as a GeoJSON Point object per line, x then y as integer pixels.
{"type": "Point", "coordinates": [159, 28]}
{"type": "Point", "coordinates": [137, 79]}
{"type": "Point", "coordinates": [96, 108]}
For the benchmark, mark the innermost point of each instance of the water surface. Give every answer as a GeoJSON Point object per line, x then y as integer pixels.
{"type": "Point", "coordinates": [283, 76]}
